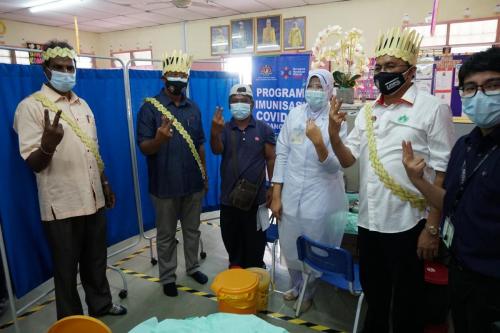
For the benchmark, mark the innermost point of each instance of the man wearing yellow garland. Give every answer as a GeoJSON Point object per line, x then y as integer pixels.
{"type": "Point", "coordinates": [58, 140]}
{"type": "Point", "coordinates": [170, 134]}
{"type": "Point", "coordinates": [396, 229]}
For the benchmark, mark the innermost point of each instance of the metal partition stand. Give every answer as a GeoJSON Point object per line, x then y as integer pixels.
{"type": "Point", "coordinates": [123, 293]}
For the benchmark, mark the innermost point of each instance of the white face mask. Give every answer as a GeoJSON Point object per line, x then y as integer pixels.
{"type": "Point", "coordinates": [316, 99]}
{"type": "Point", "coordinates": [62, 82]}
{"type": "Point", "coordinates": [483, 110]}
{"type": "Point", "coordinates": [240, 111]}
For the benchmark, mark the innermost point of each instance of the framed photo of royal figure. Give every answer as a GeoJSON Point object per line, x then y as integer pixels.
{"type": "Point", "coordinates": [219, 40]}
{"type": "Point", "coordinates": [294, 37]}
{"type": "Point", "coordinates": [268, 33]}
{"type": "Point", "coordinates": [242, 38]}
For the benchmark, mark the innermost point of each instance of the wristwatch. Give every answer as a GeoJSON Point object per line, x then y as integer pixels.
{"type": "Point", "coordinates": [432, 230]}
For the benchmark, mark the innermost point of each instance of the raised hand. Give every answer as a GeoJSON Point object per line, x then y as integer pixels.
{"type": "Point", "coordinates": [52, 133]}
{"type": "Point", "coordinates": [218, 121]}
{"type": "Point", "coordinates": [336, 117]}
{"type": "Point", "coordinates": [414, 165]}
{"type": "Point", "coordinates": [313, 132]}
{"type": "Point", "coordinates": [164, 132]}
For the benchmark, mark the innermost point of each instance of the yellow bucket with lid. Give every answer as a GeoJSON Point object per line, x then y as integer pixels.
{"type": "Point", "coordinates": [265, 280]}
{"type": "Point", "coordinates": [236, 291]}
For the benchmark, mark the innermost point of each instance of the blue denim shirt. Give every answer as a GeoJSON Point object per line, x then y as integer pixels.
{"type": "Point", "coordinates": [250, 154]}
{"type": "Point", "coordinates": [476, 241]}
{"type": "Point", "coordinates": [173, 171]}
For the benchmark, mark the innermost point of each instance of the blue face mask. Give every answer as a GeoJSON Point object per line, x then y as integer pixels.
{"type": "Point", "coordinates": [482, 110]}
{"type": "Point", "coordinates": [240, 111]}
{"type": "Point", "coordinates": [316, 99]}
{"type": "Point", "coordinates": [63, 82]}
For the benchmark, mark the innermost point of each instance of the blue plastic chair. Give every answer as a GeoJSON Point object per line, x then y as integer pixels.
{"type": "Point", "coordinates": [337, 268]}
{"type": "Point", "coordinates": [272, 236]}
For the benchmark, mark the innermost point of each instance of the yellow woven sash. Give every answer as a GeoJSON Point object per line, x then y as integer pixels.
{"type": "Point", "coordinates": [182, 131]}
{"type": "Point", "coordinates": [86, 140]}
{"type": "Point", "coordinates": [415, 200]}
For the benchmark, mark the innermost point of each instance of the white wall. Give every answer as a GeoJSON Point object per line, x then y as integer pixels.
{"type": "Point", "coordinates": [18, 33]}
{"type": "Point", "coordinates": [371, 16]}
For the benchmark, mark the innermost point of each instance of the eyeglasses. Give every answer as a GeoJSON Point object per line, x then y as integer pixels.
{"type": "Point", "coordinates": [490, 88]}
{"type": "Point", "coordinates": [388, 68]}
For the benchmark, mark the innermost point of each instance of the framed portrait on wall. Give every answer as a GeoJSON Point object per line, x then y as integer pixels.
{"type": "Point", "coordinates": [242, 39]}
{"type": "Point", "coordinates": [219, 40]}
{"type": "Point", "coordinates": [294, 37]}
{"type": "Point", "coordinates": [268, 33]}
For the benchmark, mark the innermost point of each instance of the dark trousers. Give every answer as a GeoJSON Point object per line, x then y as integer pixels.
{"type": "Point", "coordinates": [475, 300]}
{"type": "Point", "coordinates": [79, 242]}
{"type": "Point", "coordinates": [244, 244]}
{"type": "Point", "coordinates": [391, 271]}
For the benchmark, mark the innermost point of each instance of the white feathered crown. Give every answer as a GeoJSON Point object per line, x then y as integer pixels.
{"type": "Point", "coordinates": [177, 62]}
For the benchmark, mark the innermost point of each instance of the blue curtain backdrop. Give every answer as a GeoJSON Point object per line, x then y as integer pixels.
{"type": "Point", "coordinates": [27, 251]}
{"type": "Point", "coordinates": [210, 89]}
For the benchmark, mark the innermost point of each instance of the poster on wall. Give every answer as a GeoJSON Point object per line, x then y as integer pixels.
{"type": "Point", "coordinates": [278, 84]}
{"type": "Point", "coordinates": [219, 40]}
{"type": "Point", "coordinates": [35, 57]}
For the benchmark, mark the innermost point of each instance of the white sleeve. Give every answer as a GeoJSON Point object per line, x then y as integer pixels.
{"type": "Point", "coordinates": [29, 125]}
{"type": "Point", "coordinates": [282, 151]}
{"type": "Point", "coordinates": [353, 141]}
{"type": "Point", "coordinates": [441, 138]}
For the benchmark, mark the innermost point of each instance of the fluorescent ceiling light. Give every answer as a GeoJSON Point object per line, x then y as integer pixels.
{"type": "Point", "coordinates": [53, 5]}
{"type": "Point", "coordinates": [38, 3]}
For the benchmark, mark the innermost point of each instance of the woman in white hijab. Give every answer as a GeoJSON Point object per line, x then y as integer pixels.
{"type": "Point", "coordinates": [309, 194]}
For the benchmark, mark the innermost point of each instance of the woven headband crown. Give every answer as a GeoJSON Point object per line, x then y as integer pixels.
{"type": "Point", "coordinates": [58, 51]}
{"type": "Point", "coordinates": [400, 43]}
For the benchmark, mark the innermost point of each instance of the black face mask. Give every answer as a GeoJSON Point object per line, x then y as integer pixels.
{"type": "Point", "coordinates": [389, 83]}
{"type": "Point", "coordinates": [175, 87]}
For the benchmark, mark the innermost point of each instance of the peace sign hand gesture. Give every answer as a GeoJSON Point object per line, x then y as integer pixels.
{"type": "Point", "coordinates": [164, 132]}
{"type": "Point", "coordinates": [336, 118]}
{"type": "Point", "coordinates": [414, 165]}
{"type": "Point", "coordinates": [52, 133]}
{"type": "Point", "coordinates": [218, 121]}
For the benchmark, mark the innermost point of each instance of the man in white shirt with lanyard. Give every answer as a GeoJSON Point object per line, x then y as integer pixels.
{"type": "Point", "coordinates": [396, 229]}
{"type": "Point", "coordinates": [58, 140]}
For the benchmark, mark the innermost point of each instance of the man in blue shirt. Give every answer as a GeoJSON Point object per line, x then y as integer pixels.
{"type": "Point", "coordinates": [470, 201]}
{"type": "Point", "coordinates": [247, 148]}
{"type": "Point", "coordinates": [170, 134]}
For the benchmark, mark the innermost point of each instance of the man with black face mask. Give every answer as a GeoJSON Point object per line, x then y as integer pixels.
{"type": "Point", "coordinates": [170, 134]}
{"type": "Point", "coordinates": [396, 228]}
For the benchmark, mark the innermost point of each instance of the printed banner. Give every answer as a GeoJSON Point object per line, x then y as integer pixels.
{"type": "Point", "coordinates": [278, 84]}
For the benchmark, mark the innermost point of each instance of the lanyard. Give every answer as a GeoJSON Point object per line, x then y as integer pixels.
{"type": "Point", "coordinates": [464, 178]}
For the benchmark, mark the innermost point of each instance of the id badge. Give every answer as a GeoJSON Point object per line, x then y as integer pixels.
{"type": "Point", "coordinates": [448, 231]}
{"type": "Point", "coordinates": [298, 135]}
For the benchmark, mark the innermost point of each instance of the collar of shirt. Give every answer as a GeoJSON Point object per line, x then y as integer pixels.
{"type": "Point", "coordinates": [165, 100]}
{"type": "Point", "coordinates": [54, 96]}
{"type": "Point", "coordinates": [477, 137]}
{"type": "Point", "coordinates": [233, 124]}
{"type": "Point", "coordinates": [408, 97]}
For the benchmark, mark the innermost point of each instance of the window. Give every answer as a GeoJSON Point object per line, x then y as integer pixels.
{"type": "Point", "coordinates": [5, 57]}
{"type": "Point", "coordinates": [240, 65]}
{"type": "Point", "coordinates": [14, 57]}
{"type": "Point", "coordinates": [474, 32]}
{"type": "Point", "coordinates": [439, 37]}
{"type": "Point", "coordinates": [85, 62]}
{"type": "Point", "coordinates": [126, 56]}
{"type": "Point", "coordinates": [466, 36]}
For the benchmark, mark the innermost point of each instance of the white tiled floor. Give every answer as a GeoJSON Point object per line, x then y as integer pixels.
{"type": "Point", "coordinates": [333, 309]}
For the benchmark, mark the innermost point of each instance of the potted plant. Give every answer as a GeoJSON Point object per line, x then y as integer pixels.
{"type": "Point", "coordinates": [347, 59]}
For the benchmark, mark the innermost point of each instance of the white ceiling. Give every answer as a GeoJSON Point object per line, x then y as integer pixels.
{"type": "Point", "coordinates": [114, 15]}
